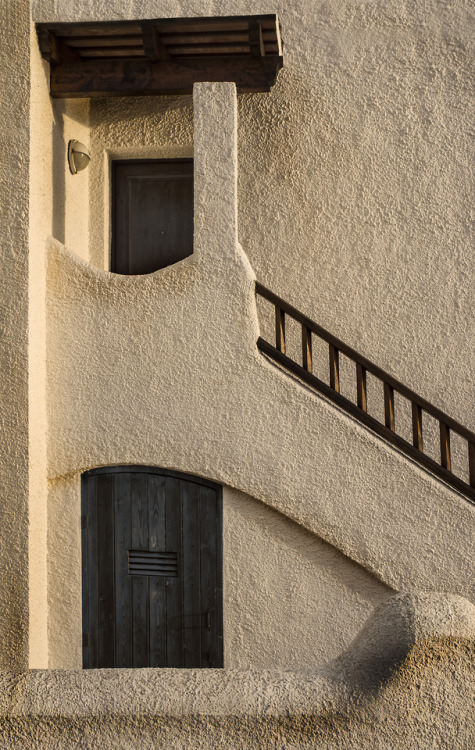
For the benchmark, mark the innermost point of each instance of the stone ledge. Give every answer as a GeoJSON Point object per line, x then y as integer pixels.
{"type": "Point", "coordinates": [409, 674]}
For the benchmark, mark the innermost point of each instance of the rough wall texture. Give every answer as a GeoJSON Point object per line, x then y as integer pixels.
{"type": "Point", "coordinates": [59, 208]}
{"type": "Point", "coordinates": [355, 179]}
{"type": "Point", "coordinates": [290, 599]}
{"type": "Point", "coordinates": [406, 682]}
{"type": "Point", "coordinates": [14, 197]}
{"type": "Point", "coordinates": [359, 160]}
{"type": "Point", "coordinates": [41, 225]}
{"type": "Point", "coordinates": [353, 197]}
{"type": "Point", "coordinates": [133, 128]}
{"type": "Point", "coordinates": [163, 370]}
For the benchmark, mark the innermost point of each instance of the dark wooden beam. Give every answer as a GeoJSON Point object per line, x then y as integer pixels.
{"type": "Point", "coordinates": [152, 44]}
{"type": "Point", "coordinates": [54, 50]}
{"type": "Point", "coordinates": [104, 78]}
{"type": "Point", "coordinates": [256, 40]}
{"type": "Point", "coordinates": [189, 24]}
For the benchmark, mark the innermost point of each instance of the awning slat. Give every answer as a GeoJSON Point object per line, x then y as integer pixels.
{"type": "Point", "coordinates": [71, 49]}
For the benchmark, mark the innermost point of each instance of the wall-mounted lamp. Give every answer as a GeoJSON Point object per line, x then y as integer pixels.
{"type": "Point", "coordinates": [78, 156]}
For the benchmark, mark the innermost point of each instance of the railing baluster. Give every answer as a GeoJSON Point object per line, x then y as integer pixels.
{"type": "Point", "coordinates": [386, 427]}
{"type": "Point", "coordinates": [361, 387]}
{"type": "Point", "coordinates": [306, 348]}
{"type": "Point", "coordinates": [279, 329]}
{"type": "Point", "coordinates": [445, 446]}
{"type": "Point", "coordinates": [417, 426]}
{"type": "Point", "coordinates": [334, 368]}
{"type": "Point", "coordinates": [471, 463]}
{"type": "Point", "coordinates": [389, 407]}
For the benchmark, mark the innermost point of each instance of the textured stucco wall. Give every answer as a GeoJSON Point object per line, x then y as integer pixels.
{"type": "Point", "coordinates": [355, 179]}
{"type": "Point", "coordinates": [41, 226]}
{"type": "Point", "coordinates": [353, 194]}
{"type": "Point", "coordinates": [59, 207]}
{"type": "Point", "coordinates": [290, 599]}
{"type": "Point", "coordinates": [70, 192]}
{"type": "Point", "coordinates": [405, 682]}
{"type": "Point", "coordinates": [163, 370]}
{"type": "Point", "coordinates": [359, 160]}
{"type": "Point", "coordinates": [14, 198]}
{"type": "Point", "coordinates": [133, 128]}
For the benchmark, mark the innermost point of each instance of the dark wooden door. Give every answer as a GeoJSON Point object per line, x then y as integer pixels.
{"type": "Point", "coordinates": [152, 569]}
{"type": "Point", "coordinates": [152, 209]}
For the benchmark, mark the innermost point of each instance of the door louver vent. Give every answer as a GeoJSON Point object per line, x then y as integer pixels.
{"type": "Point", "coordinates": [145, 563]}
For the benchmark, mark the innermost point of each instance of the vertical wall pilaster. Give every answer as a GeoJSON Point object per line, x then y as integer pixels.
{"type": "Point", "coordinates": [43, 137]}
{"type": "Point", "coordinates": [215, 166]}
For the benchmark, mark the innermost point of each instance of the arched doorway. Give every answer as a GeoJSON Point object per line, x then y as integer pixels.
{"type": "Point", "coordinates": [152, 569]}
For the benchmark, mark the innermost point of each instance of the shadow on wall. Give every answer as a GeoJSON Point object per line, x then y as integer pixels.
{"type": "Point", "coordinates": [59, 177]}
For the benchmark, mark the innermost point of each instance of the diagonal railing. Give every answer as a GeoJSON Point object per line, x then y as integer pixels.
{"type": "Point", "coordinates": [419, 406]}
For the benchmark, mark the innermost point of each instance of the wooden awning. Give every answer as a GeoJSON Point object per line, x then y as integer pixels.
{"type": "Point", "coordinates": [162, 56]}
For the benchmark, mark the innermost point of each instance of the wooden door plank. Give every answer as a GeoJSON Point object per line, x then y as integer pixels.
{"type": "Point", "coordinates": [140, 591]}
{"type": "Point", "coordinates": [151, 620]}
{"type": "Point", "coordinates": [93, 582]}
{"type": "Point", "coordinates": [210, 648]}
{"type": "Point", "coordinates": [174, 586]}
{"type": "Point", "coordinates": [105, 571]}
{"type": "Point", "coordinates": [119, 249]}
{"type": "Point", "coordinates": [156, 540]}
{"type": "Point", "coordinates": [217, 653]}
{"type": "Point", "coordinates": [192, 613]}
{"type": "Point", "coordinates": [89, 572]}
{"type": "Point", "coordinates": [85, 523]}
{"type": "Point", "coordinates": [123, 588]}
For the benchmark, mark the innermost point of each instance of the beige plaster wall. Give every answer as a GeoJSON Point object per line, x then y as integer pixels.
{"type": "Point", "coordinates": [59, 207]}
{"type": "Point", "coordinates": [406, 681]}
{"type": "Point", "coordinates": [289, 600]}
{"type": "Point", "coordinates": [163, 370]}
{"type": "Point", "coordinates": [14, 202]}
{"type": "Point", "coordinates": [353, 204]}
{"type": "Point", "coordinates": [355, 180]}
{"type": "Point", "coordinates": [64, 596]}
{"type": "Point", "coordinates": [60, 200]}
{"type": "Point", "coordinates": [41, 226]}
{"type": "Point", "coordinates": [70, 192]}
{"type": "Point", "coordinates": [133, 128]}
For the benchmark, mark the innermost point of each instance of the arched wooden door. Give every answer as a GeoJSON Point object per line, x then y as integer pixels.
{"type": "Point", "coordinates": [152, 569]}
